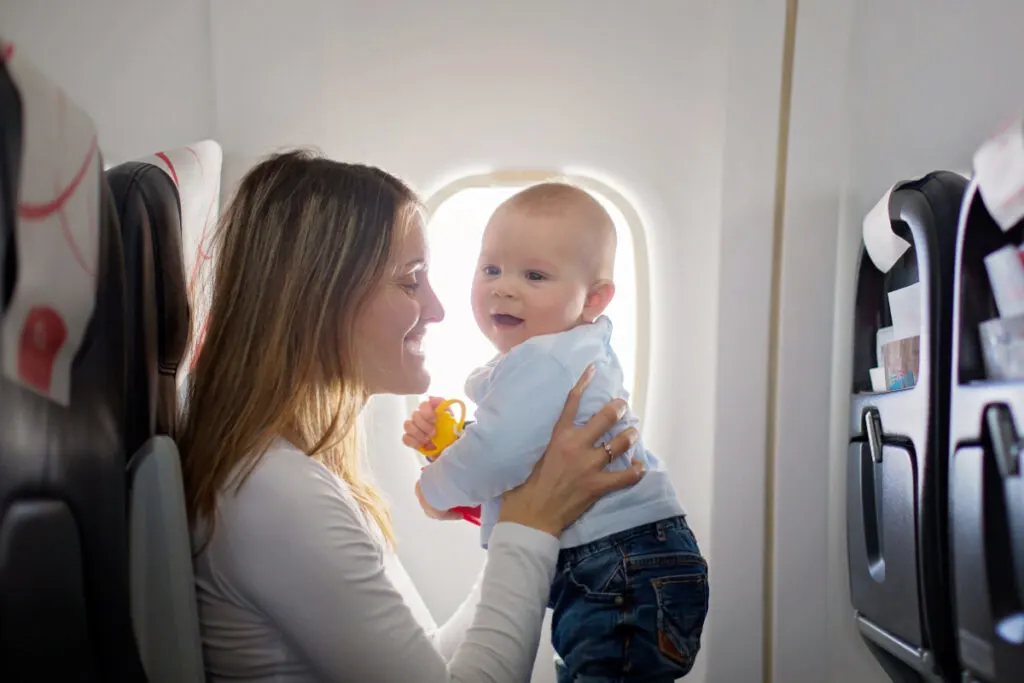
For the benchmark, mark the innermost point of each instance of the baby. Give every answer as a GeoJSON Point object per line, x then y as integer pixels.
{"type": "Point", "coordinates": [630, 593]}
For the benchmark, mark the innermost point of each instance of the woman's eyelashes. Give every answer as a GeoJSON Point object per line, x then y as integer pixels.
{"type": "Point", "coordinates": [410, 282]}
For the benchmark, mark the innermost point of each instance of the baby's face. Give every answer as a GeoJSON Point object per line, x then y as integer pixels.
{"type": "Point", "coordinates": [531, 278]}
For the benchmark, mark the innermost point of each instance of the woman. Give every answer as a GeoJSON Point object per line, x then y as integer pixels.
{"type": "Point", "coordinates": [320, 300]}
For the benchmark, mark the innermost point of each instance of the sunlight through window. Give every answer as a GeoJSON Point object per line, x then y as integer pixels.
{"type": "Point", "coordinates": [455, 346]}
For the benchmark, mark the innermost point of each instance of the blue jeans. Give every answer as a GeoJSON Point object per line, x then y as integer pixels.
{"type": "Point", "coordinates": [630, 607]}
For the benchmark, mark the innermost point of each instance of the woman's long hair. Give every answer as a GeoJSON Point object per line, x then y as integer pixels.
{"type": "Point", "coordinates": [302, 244]}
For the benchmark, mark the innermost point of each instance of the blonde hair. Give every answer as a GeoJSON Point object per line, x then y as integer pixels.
{"type": "Point", "coordinates": [301, 246]}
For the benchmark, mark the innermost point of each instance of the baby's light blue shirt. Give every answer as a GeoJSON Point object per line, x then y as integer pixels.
{"type": "Point", "coordinates": [519, 397]}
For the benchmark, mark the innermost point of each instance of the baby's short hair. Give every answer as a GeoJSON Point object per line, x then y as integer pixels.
{"type": "Point", "coordinates": [560, 198]}
{"type": "Point", "coordinates": [557, 196]}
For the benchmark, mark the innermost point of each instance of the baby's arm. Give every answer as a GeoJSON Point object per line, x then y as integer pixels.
{"type": "Point", "coordinates": [513, 426]}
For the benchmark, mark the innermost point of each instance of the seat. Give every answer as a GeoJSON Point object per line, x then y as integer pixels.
{"type": "Point", "coordinates": [149, 210]}
{"type": "Point", "coordinates": [196, 172]}
{"type": "Point", "coordinates": [163, 596]}
{"type": "Point", "coordinates": [64, 579]}
{"type": "Point", "coordinates": [896, 464]}
{"type": "Point", "coordinates": [140, 310]}
{"type": "Point", "coordinates": [986, 493]}
{"type": "Point", "coordinates": [162, 585]}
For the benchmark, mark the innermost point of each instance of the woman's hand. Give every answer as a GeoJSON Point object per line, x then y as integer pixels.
{"type": "Point", "coordinates": [570, 476]}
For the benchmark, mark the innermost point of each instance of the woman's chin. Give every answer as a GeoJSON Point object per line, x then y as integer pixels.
{"type": "Point", "coordinates": [420, 386]}
{"type": "Point", "coordinates": [416, 380]}
{"type": "Point", "coordinates": [408, 377]}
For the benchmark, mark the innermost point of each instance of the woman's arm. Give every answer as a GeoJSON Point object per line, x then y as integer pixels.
{"type": "Point", "coordinates": [302, 555]}
{"type": "Point", "coordinates": [450, 635]}
{"type": "Point", "coordinates": [510, 611]}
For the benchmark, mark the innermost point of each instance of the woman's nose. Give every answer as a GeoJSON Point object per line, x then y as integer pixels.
{"type": "Point", "coordinates": [432, 310]}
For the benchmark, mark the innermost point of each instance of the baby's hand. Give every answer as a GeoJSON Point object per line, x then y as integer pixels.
{"type": "Point", "coordinates": [421, 427]}
{"type": "Point", "coordinates": [433, 512]}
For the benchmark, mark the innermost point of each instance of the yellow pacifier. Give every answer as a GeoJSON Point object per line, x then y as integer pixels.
{"type": "Point", "coordinates": [448, 427]}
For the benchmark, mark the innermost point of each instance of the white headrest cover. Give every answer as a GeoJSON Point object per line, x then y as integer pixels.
{"type": "Point", "coordinates": [57, 235]}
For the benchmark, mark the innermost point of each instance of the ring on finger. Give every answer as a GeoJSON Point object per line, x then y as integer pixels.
{"type": "Point", "coordinates": [608, 449]}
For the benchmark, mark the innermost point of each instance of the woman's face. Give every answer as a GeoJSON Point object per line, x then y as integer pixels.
{"type": "Point", "coordinates": [390, 329]}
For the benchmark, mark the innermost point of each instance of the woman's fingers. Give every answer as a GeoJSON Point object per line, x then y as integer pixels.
{"type": "Point", "coordinates": [621, 443]}
{"type": "Point", "coordinates": [570, 477]}
{"type": "Point", "coordinates": [606, 482]}
{"type": "Point", "coordinates": [572, 403]}
{"type": "Point", "coordinates": [602, 421]}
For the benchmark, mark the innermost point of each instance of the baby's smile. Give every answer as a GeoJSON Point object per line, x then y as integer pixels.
{"type": "Point", "coordinates": [506, 320]}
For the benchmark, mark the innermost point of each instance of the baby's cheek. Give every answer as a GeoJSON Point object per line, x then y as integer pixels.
{"type": "Point", "coordinates": [478, 308]}
{"type": "Point", "coordinates": [553, 317]}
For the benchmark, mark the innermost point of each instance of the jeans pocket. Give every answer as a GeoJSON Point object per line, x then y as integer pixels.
{"type": "Point", "coordinates": [599, 578]}
{"type": "Point", "coordinates": [682, 603]}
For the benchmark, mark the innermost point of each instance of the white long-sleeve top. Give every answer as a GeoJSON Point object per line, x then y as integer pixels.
{"type": "Point", "coordinates": [295, 586]}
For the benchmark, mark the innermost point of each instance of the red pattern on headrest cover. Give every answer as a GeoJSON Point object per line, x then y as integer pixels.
{"type": "Point", "coordinates": [56, 236]}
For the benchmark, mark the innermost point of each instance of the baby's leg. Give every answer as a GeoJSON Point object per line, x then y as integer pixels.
{"type": "Point", "coordinates": [631, 607]}
{"type": "Point", "coordinates": [587, 617]}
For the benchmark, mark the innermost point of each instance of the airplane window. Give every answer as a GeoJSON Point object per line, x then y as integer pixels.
{"type": "Point", "coordinates": [455, 346]}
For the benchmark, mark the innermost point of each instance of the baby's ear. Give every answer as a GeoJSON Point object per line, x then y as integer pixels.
{"type": "Point", "coordinates": [599, 296]}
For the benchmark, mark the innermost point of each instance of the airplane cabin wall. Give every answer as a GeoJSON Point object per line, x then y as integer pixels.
{"type": "Point", "coordinates": [140, 69]}
{"type": "Point", "coordinates": [815, 167]}
{"type": "Point", "coordinates": [734, 633]}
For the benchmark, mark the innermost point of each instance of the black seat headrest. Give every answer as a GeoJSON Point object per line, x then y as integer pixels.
{"type": "Point", "coordinates": [196, 171]}
{"type": "Point", "coordinates": [150, 214]}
